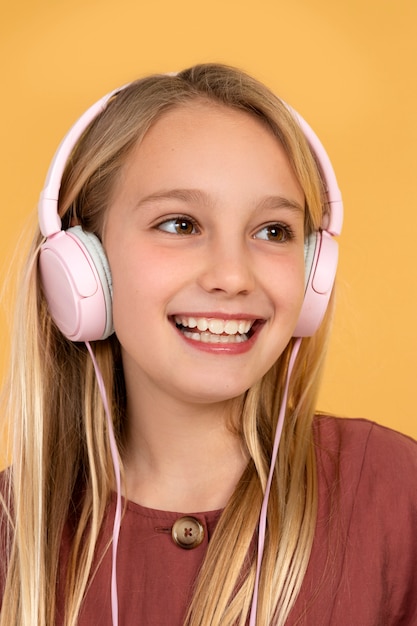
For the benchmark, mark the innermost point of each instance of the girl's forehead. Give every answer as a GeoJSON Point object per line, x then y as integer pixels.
{"type": "Point", "coordinates": [200, 125]}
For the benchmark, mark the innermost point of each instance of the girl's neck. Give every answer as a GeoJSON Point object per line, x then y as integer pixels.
{"type": "Point", "coordinates": [182, 458]}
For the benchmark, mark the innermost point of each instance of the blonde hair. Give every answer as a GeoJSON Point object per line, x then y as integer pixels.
{"type": "Point", "coordinates": [60, 432]}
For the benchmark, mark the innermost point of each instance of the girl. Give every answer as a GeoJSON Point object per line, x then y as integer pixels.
{"type": "Point", "coordinates": [186, 231]}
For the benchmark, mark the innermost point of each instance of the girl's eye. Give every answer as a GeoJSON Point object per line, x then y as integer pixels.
{"type": "Point", "coordinates": [179, 226]}
{"type": "Point", "coordinates": [278, 233]}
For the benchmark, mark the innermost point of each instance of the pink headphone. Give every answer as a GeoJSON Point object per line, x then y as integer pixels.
{"type": "Point", "coordinates": [76, 276]}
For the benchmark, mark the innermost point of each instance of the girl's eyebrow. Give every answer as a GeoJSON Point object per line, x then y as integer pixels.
{"type": "Point", "coordinates": [200, 197]}
{"type": "Point", "coordinates": [281, 202]}
{"type": "Point", "coordinates": [185, 195]}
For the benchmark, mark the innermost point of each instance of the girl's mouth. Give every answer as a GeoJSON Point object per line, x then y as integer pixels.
{"type": "Point", "coordinates": [214, 330]}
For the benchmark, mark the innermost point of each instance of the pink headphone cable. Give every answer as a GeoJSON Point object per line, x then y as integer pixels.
{"type": "Point", "coordinates": [262, 517]}
{"type": "Point", "coordinates": [116, 467]}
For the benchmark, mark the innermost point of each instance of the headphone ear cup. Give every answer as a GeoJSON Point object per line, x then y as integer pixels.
{"type": "Point", "coordinates": [76, 281]}
{"type": "Point", "coordinates": [321, 256]}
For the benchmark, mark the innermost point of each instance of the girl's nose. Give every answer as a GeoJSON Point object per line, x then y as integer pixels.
{"type": "Point", "coordinates": [227, 269]}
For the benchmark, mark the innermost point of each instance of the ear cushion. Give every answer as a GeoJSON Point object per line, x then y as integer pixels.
{"type": "Point", "coordinates": [321, 256]}
{"type": "Point", "coordinates": [76, 282]}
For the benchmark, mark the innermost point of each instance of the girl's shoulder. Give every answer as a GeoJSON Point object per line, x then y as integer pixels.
{"type": "Point", "coordinates": [364, 546]}
{"type": "Point", "coordinates": [355, 439]}
{"type": "Point", "coordinates": [372, 467]}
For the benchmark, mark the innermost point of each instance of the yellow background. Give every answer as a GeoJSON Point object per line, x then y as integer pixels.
{"type": "Point", "coordinates": [348, 67]}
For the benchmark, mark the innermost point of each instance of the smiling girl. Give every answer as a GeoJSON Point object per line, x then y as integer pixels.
{"type": "Point", "coordinates": [169, 466]}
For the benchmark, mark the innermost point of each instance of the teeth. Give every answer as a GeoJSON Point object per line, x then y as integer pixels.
{"type": "Point", "coordinates": [231, 327]}
{"type": "Point", "coordinates": [202, 324]}
{"type": "Point", "coordinates": [215, 326]}
{"type": "Point", "coordinates": [208, 337]}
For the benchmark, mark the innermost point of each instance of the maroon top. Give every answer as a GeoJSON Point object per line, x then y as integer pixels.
{"type": "Point", "coordinates": [363, 566]}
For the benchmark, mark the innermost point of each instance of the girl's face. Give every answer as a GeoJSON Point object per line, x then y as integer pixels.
{"type": "Point", "coordinates": [205, 241]}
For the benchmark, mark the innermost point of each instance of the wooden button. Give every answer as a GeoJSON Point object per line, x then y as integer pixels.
{"type": "Point", "coordinates": [188, 532]}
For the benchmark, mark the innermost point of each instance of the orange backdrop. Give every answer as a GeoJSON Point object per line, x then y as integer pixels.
{"type": "Point", "coordinates": [348, 67]}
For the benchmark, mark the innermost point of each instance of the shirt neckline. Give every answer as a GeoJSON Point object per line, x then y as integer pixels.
{"type": "Point", "coordinates": [172, 516]}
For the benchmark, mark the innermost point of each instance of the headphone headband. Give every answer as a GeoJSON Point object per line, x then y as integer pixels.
{"type": "Point", "coordinates": [49, 220]}
{"type": "Point", "coordinates": [333, 220]}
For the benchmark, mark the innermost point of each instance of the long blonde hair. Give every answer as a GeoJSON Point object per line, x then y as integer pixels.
{"type": "Point", "coordinates": [60, 434]}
